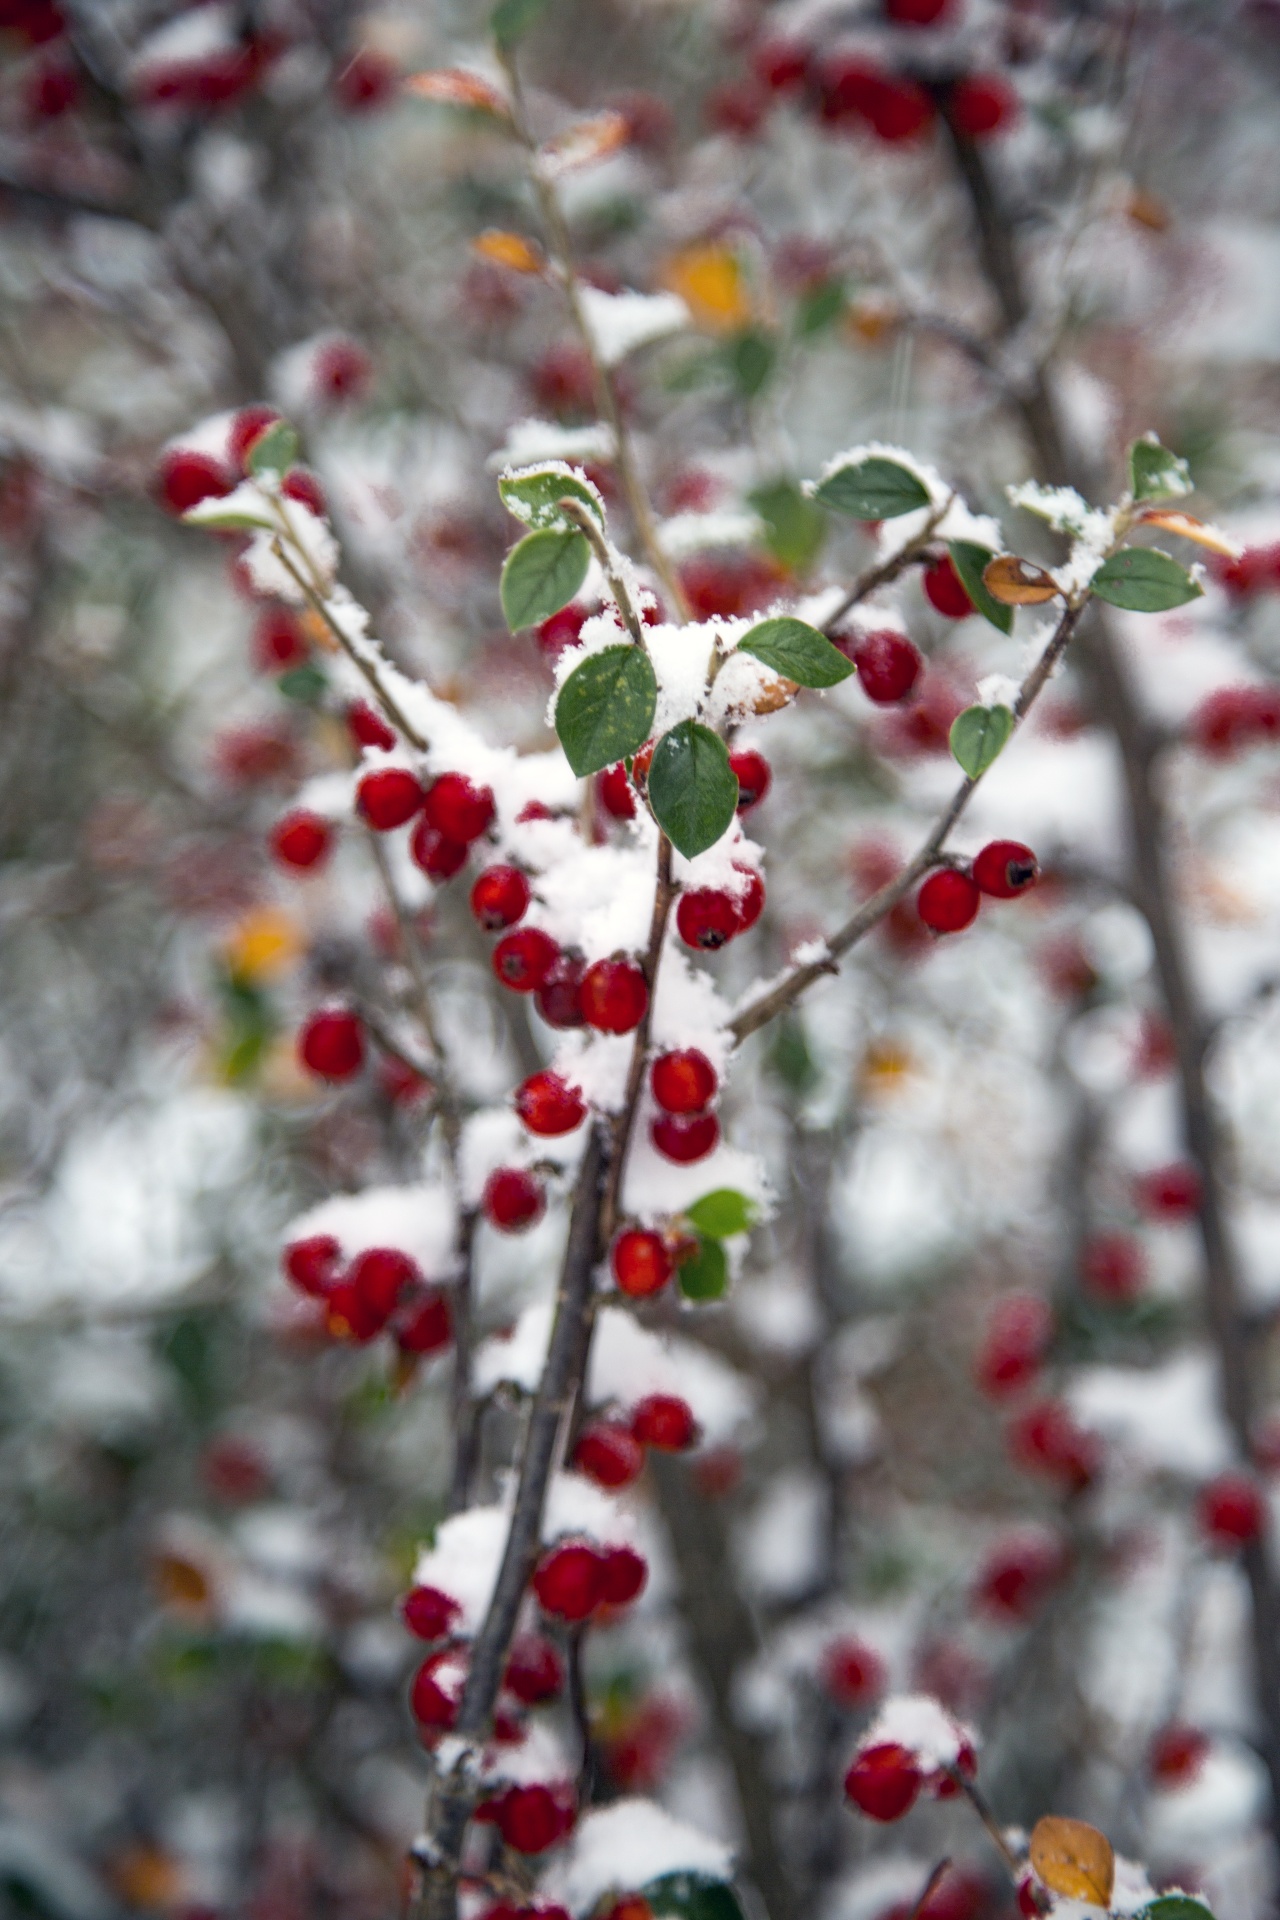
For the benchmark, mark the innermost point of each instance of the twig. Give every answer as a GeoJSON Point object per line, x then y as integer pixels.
{"type": "Point", "coordinates": [978, 1801]}
{"type": "Point", "coordinates": [928, 1888]}
{"type": "Point", "coordinates": [886, 570]}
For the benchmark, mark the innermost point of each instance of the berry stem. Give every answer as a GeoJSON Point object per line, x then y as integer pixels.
{"type": "Point", "coordinates": [978, 1801]}
{"type": "Point", "coordinates": [560, 248]}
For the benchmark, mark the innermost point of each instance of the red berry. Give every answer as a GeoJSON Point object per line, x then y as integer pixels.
{"type": "Point", "coordinates": [331, 1044]}
{"type": "Point", "coordinates": [438, 857]}
{"type": "Point", "coordinates": [615, 996]}
{"type": "Point", "coordinates": [368, 728]}
{"type": "Point", "coordinates": [279, 642]}
{"type": "Point", "coordinates": [945, 590]}
{"type": "Point", "coordinates": [534, 810]}
{"type": "Point", "coordinates": [388, 797]}
{"type": "Point", "coordinates": [1046, 1439]}
{"type": "Point", "coordinates": [531, 1819]}
{"type": "Point", "coordinates": [888, 665]}
{"type": "Point", "coordinates": [1168, 1193]}
{"type": "Point", "coordinates": [641, 1262]}
{"type": "Point", "coordinates": [234, 1470]}
{"type": "Point", "coordinates": [1232, 1510]}
{"type": "Point", "coordinates": [559, 998]}
{"type": "Point", "coordinates": [664, 1421]}
{"type": "Point", "coordinates": [313, 1264]}
{"type": "Point", "coordinates": [884, 1781]}
{"type": "Point", "coordinates": [749, 904]}
{"type": "Point", "coordinates": [436, 1693]}
{"type": "Point", "coordinates": [617, 795]}
{"type": "Point", "coordinates": [499, 898]}
{"type": "Point", "coordinates": [402, 1084]}
{"type": "Point", "coordinates": [683, 1082]}
{"type": "Point", "coordinates": [534, 1670]}
{"type": "Point", "coordinates": [549, 1105]}
{"type": "Point", "coordinates": [428, 1326]}
{"type": "Point", "coordinates": [917, 13]}
{"type": "Point", "coordinates": [185, 477]}
{"type": "Point", "coordinates": [623, 1574]}
{"type": "Point", "coordinates": [899, 110]}
{"type": "Point", "coordinates": [523, 960]}
{"type": "Point", "coordinates": [707, 918]}
{"type": "Point", "coordinates": [781, 64]}
{"type": "Point", "coordinates": [301, 840]}
{"type": "Point", "coordinates": [567, 1581]}
{"type": "Point", "coordinates": [513, 1199]}
{"type": "Point", "coordinates": [51, 90]}
{"type": "Point", "coordinates": [367, 80]}
{"type": "Point", "coordinates": [458, 809]}
{"type": "Point", "coordinates": [948, 901]}
{"type": "Point", "coordinates": [1018, 1335]}
{"type": "Point", "coordinates": [848, 88]}
{"type": "Point", "coordinates": [1113, 1267]}
{"type": "Point", "coordinates": [1005, 868]}
{"type": "Point", "coordinates": [341, 371]}
{"type": "Point", "coordinates": [248, 427]}
{"type": "Point", "coordinates": [1034, 1898]}
{"type": "Point", "coordinates": [608, 1453]}
{"type": "Point", "coordinates": [1256, 570]}
{"type": "Point", "coordinates": [852, 1672]}
{"type": "Point", "coordinates": [381, 1275]}
{"type": "Point", "coordinates": [685, 1137]}
{"type": "Point", "coordinates": [1019, 1573]}
{"type": "Point", "coordinates": [302, 485]}
{"type": "Point", "coordinates": [982, 104]}
{"type": "Point", "coordinates": [1177, 1755]}
{"type": "Point", "coordinates": [561, 630]}
{"type": "Point", "coordinates": [753, 775]}
{"type": "Point", "coordinates": [428, 1613]}
{"type": "Point", "coordinates": [350, 1316]}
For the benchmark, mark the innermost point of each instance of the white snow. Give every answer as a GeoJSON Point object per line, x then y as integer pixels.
{"type": "Point", "coordinates": [621, 322]}
{"type": "Point", "coordinates": [421, 1221]}
{"type": "Point", "coordinates": [464, 1561]}
{"type": "Point", "coordinates": [620, 1848]}
{"type": "Point", "coordinates": [919, 1723]}
{"type": "Point", "coordinates": [1165, 1418]}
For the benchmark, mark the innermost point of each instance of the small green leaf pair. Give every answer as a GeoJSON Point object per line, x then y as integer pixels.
{"type": "Point", "coordinates": [713, 1218]}
{"type": "Point", "coordinates": [543, 571]}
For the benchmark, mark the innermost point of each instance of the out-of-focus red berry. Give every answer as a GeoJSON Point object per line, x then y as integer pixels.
{"type": "Point", "coordinates": [247, 428]}
{"type": "Point", "coordinates": [341, 371]}
{"type": "Point", "coordinates": [303, 486]}
{"type": "Point", "coordinates": [884, 1781]}
{"type": "Point", "coordinates": [780, 64]}
{"type": "Point", "coordinates": [367, 80]}
{"type": "Point", "coordinates": [427, 1326]}
{"type": "Point", "coordinates": [1177, 1755]}
{"type": "Point", "coordinates": [1046, 1439]}
{"type": "Point", "coordinates": [279, 643]}
{"type": "Point", "coordinates": [623, 1574]}
{"type": "Point", "coordinates": [608, 1453]}
{"type": "Point", "coordinates": [302, 840]}
{"type": "Point", "coordinates": [1113, 1267]}
{"type": "Point", "coordinates": [1169, 1193]}
{"type": "Point", "coordinates": [331, 1044]}
{"type": "Point", "coordinates": [641, 1262]}
{"type": "Point", "coordinates": [1232, 1510]}
{"type": "Point", "coordinates": [513, 1199]}
{"type": "Point", "coordinates": [1232, 720]}
{"type": "Point", "coordinates": [368, 728]}
{"type": "Point", "coordinates": [185, 477]}
{"type": "Point", "coordinates": [851, 1672]}
{"type": "Point", "coordinates": [945, 590]}
{"type": "Point", "coordinates": [313, 1263]}
{"type": "Point", "coordinates": [388, 797]}
{"type": "Point", "coordinates": [664, 1421]}
{"type": "Point", "coordinates": [1019, 1573]}
{"type": "Point", "coordinates": [428, 1613]}
{"type": "Point", "coordinates": [983, 104]}
{"type": "Point", "coordinates": [1019, 1330]}
{"type": "Point", "coordinates": [535, 1671]}
{"type": "Point", "coordinates": [567, 1581]}
{"type": "Point", "coordinates": [531, 1819]}
{"type": "Point", "coordinates": [919, 13]}
{"type": "Point", "coordinates": [438, 856]}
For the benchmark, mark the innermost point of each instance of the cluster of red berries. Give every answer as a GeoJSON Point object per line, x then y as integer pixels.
{"type": "Point", "coordinates": [578, 1578]}
{"type": "Point", "coordinates": [612, 1452]}
{"type": "Point", "coordinates": [611, 995]}
{"type": "Point", "coordinates": [886, 1779]}
{"type": "Point", "coordinates": [380, 1289]}
{"type": "Point", "coordinates": [450, 814]}
{"type": "Point", "coordinates": [949, 899]}
{"type": "Point", "coordinates": [187, 475]}
{"type": "Point", "coordinates": [1233, 720]}
{"type": "Point", "coordinates": [1044, 1438]}
{"type": "Point", "coordinates": [685, 1128]}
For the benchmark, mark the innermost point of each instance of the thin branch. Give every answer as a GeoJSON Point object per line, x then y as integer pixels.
{"type": "Point", "coordinates": [886, 570]}
{"type": "Point", "coordinates": [933, 1881]}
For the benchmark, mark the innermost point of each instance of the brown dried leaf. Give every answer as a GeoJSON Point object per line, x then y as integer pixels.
{"type": "Point", "coordinates": [776, 693]}
{"type": "Point", "coordinates": [1073, 1859]}
{"type": "Point", "coordinates": [588, 140]}
{"type": "Point", "coordinates": [508, 250]}
{"type": "Point", "coordinates": [452, 87]}
{"type": "Point", "coordinates": [181, 1582]}
{"type": "Point", "coordinates": [1018, 583]}
{"type": "Point", "coordinates": [1187, 527]}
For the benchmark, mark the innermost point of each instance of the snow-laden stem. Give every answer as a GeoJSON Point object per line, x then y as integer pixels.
{"type": "Point", "coordinates": [798, 979]}
{"type": "Point", "coordinates": [1154, 895]}
{"type": "Point", "coordinates": [560, 247]}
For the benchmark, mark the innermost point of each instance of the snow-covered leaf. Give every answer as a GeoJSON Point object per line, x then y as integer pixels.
{"type": "Point", "coordinates": [797, 651]}
{"type": "Point", "coordinates": [1144, 580]}
{"type": "Point", "coordinates": [1157, 474]}
{"type": "Point", "coordinates": [692, 787]}
{"type": "Point", "coordinates": [605, 708]}
{"type": "Point", "coordinates": [533, 497]}
{"type": "Point", "coordinates": [874, 489]}
{"type": "Point", "coordinates": [541, 574]}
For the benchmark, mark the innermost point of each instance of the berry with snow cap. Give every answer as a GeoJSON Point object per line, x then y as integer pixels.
{"type": "Point", "coordinates": [499, 898]}
{"type": "Point", "coordinates": [547, 1104]}
{"type": "Point", "coordinates": [458, 809]}
{"type": "Point", "coordinates": [438, 856]}
{"type": "Point", "coordinates": [615, 996]}
{"type": "Point", "coordinates": [436, 1693]}
{"type": "Point", "coordinates": [513, 1199]}
{"type": "Point", "coordinates": [534, 1670]}
{"type": "Point", "coordinates": [428, 1613]}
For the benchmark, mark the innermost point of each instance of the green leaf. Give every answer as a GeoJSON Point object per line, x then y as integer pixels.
{"type": "Point", "coordinates": [721, 1213]}
{"type": "Point", "coordinates": [790, 1057]}
{"type": "Point", "coordinates": [692, 1896]}
{"type": "Point", "coordinates": [273, 451]}
{"type": "Point", "coordinates": [819, 307]}
{"type": "Point", "coordinates": [795, 526]}
{"type": "Point", "coordinates": [977, 736]}
{"type": "Point", "coordinates": [605, 708]}
{"type": "Point", "coordinates": [1175, 1906]}
{"type": "Point", "coordinates": [1144, 580]}
{"type": "Point", "coordinates": [874, 489]}
{"type": "Point", "coordinates": [534, 498]}
{"type": "Point", "coordinates": [968, 559]}
{"type": "Point", "coordinates": [307, 685]}
{"type": "Point", "coordinates": [1157, 474]}
{"type": "Point", "coordinates": [218, 517]}
{"type": "Point", "coordinates": [541, 574]}
{"type": "Point", "coordinates": [706, 1276]}
{"type": "Point", "coordinates": [751, 358]}
{"type": "Point", "coordinates": [692, 787]}
{"type": "Point", "coordinates": [797, 651]}
{"type": "Point", "coordinates": [512, 19]}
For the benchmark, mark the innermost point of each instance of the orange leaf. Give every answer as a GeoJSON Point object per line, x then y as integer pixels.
{"type": "Point", "coordinates": [1148, 211]}
{"type": "Point", "coordinates": [1017, 583]}
{"type": "Point", "coordinates": [709, 279]}
{"type": "Point", "coordinates": [508, 250]}
{"type": "Point", "coordinates": [452, 87]}
{"type": "Point", "coordinates": [1189, 528]}
{"type": "Point", "coordinates": [589, 140]}
{"type": "Point", "coordinates": [1073, 1859]}
{"type": "Point", "coordinates": [181, 1582]}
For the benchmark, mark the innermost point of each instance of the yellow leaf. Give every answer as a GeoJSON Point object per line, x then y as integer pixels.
{"type": "Point", "coordinates": [1073, 1859]}
{"type": "Point", "coordinates": [145, 1877]}
{"type": "Point", "coordinates": [1187, 527]}
{"type": "Point", "coordinates": [1147, 211]}
{"type": "Point", "coordinates": [589, 140]}
{"type": "Point", "coordinates": [263, 945]}
{"type": "Point", "coordinates": [182, 1582]}
{"type": "Point", "coordinates": [452, 87]}
{"type": "Point", "coordinates": [1017, 583]}
{"type": "Point", "coordinates": [710, 281]}
{"type": "Point", "coordinates": [316, 630]}
{"type": "Point", "coordinates": [507, 250]}
{"type": "Point", "coordinates": [872, 321]}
